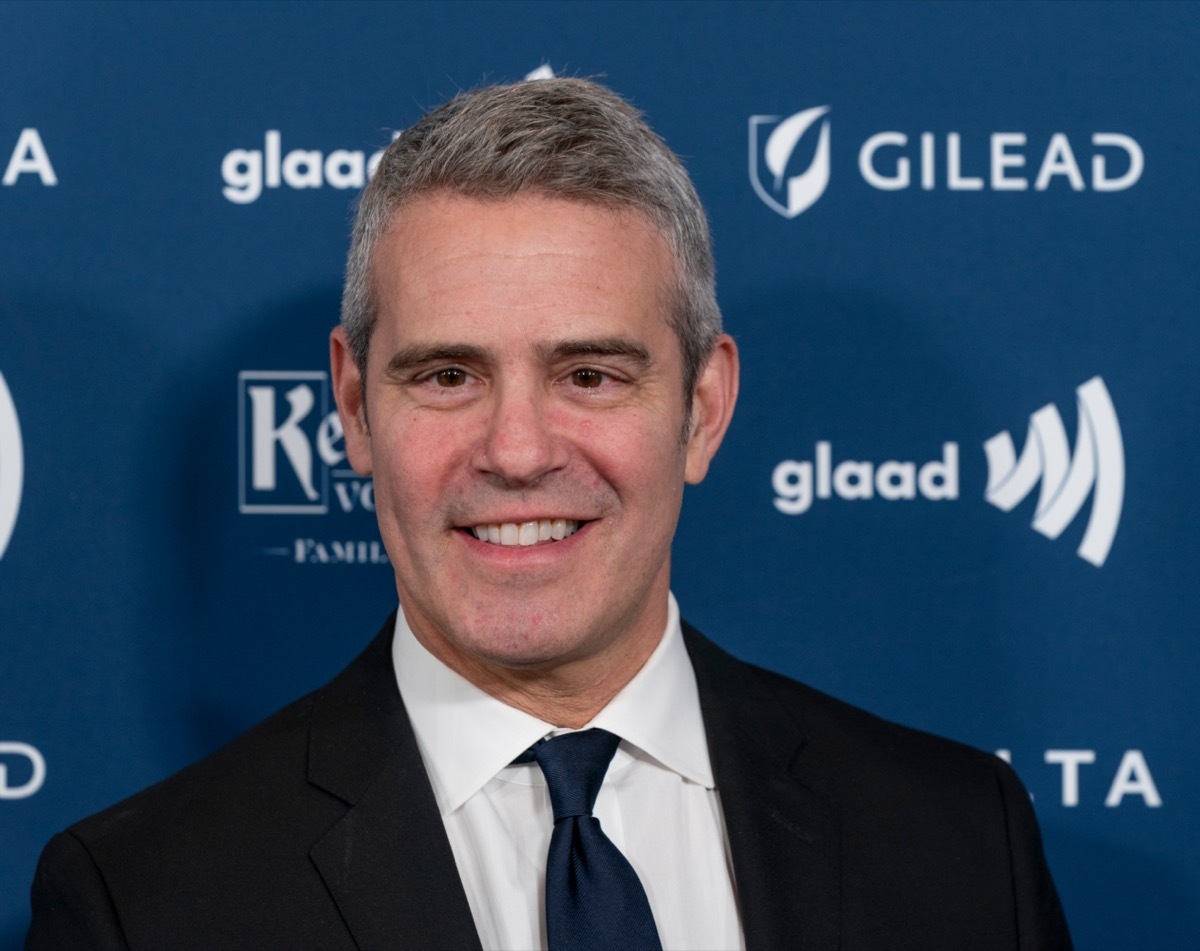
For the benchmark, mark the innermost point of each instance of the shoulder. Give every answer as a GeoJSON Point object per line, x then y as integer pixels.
{"type": "Point", "coordinates": [206, 850]}
{"type": "Point", "coordinates": [930, 833]}
{"type": "Point", "coordinates": [241, 784]}
{"type": "Point", "coordinates": [265, 776]}
{"type": "Point", "coordinates": [225, 842]}
{"type": "Point", "coordinates": [845, 753]}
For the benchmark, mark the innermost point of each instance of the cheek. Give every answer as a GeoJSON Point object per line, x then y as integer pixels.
{"type": "Point", "coordinates": [424, 460]}
{"type": "Point", "coordinates": [639, 454]}
{"type": "Point", "coordinates": [410, 467]}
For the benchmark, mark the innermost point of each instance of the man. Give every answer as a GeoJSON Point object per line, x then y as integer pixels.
{"type": "Point", "coordinates": [531, 366]}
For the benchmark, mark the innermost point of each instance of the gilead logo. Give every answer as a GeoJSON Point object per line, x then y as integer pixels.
{"type": "Point", "coordinates": [895, 160]}
{"type": "Point", "coordinates": [798, 192]}
{"type": "Point", "coordinates": [12, 466]}
{"type": "Point", "coordinates": [887, 161]}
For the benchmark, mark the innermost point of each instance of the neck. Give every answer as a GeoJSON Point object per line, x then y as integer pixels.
{"type": "Point", "coordinates": [565, 693]}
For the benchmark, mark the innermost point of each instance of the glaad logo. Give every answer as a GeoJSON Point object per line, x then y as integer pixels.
{"type": "Point", "coordinates": [12, 466]}
{"type": "Point", "coordinates": [37, 776]}
{"type": "Point", "coordinates": [1098, 462]}
{"type": "Point", "coordinates": [797, 484]}
{"type": "Point", "coordinates": [803, 189]}
{"type": "Point", "coordinates": [895, 161]}
{"type": "Point", "coordinates": [247, 171]}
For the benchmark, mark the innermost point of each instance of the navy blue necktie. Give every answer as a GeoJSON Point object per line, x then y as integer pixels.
{"type": "Point", "coordinates": [594, 899]}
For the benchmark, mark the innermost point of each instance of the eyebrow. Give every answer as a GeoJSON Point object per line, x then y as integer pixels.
{"type": "Point", "coordinates": [630, 350]}
{"type": "Point", "coordinates": [408, 358]}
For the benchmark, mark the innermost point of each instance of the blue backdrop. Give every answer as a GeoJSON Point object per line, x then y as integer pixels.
{"type": "Point", "coordinates": [935, 224]}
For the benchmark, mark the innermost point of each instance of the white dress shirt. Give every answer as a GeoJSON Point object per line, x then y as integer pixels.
{"type": "Point", "coordinates": [658, 804]}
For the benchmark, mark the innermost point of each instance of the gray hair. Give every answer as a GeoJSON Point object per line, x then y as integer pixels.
{"type": "Point", "coordinates": [566, 138]}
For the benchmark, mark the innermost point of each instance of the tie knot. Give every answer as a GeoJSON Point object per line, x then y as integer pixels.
{"type": "Point", "coordinates": [574, 765]}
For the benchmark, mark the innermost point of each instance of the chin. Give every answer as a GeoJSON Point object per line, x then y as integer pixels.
{"type": "Point", "coordinates": [516, 648]}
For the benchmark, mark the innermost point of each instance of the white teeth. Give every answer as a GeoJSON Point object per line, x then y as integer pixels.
{"type": "Point", "coordinates": [513, 534]}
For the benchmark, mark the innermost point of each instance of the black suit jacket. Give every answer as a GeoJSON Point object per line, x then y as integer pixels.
{"type": "Point", "coordinates": [318, 829]}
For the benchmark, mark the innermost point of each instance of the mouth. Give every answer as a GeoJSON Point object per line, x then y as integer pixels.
{"type": "Point", "coordinates": [524, 534]}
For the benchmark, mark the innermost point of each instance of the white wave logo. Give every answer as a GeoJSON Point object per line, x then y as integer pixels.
{"type": "Point", "coordinates": [1098, 463]}
{"type": "Point", "coordinates": [804, 189]}
{"type": "Point", "coordinates": [12, 466]}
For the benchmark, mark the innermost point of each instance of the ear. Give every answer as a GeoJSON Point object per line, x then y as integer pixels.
{"type": "Point", "coordinates": [712, 407]}
{"type": "Point", "coordinates": [351, 402]}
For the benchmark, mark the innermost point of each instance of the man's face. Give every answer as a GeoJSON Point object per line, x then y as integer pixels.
{"type": "Point", "coordinates": [525, 405]}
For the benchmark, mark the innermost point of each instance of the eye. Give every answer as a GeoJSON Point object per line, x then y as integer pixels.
{"type": "Point", "coordinates": [586, 378]}
{"type": "Point", "coordinates": [450, 377]}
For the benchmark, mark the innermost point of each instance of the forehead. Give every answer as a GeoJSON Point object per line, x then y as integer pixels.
{"type": "Point", "coordinates": [446, 251]}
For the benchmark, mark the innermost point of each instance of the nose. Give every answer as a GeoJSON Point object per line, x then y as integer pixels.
{"type": "Point", "coordinates": [519, 445]}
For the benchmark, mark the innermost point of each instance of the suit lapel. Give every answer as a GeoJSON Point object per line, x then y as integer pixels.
{"type": "Point", "coordinates": [784, 839]}
{"type": "Point", "coordinates": [387, 862]}
{"type": "Point", "coordinates": [389, 867]}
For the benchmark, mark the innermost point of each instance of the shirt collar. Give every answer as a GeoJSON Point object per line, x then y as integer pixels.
{"type": "Point", "coordinates": [466, 737]}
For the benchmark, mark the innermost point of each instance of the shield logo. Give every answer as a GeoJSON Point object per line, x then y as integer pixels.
{"type": "Point", "coordinates": [789, 195]}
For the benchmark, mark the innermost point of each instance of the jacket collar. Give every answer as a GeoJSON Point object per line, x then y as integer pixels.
{"type": "Point", "coordinates": [784, 839]}
{"type": "Point", "coordinates": [389, 867]}
{"type": "Point", "coordinates": [387, 862]}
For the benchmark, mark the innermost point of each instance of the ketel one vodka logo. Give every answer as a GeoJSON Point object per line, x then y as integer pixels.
{"type": "Point", "coordinates": [292, 456]}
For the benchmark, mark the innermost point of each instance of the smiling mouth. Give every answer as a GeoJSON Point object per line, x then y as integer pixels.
{"type": "Point", "coordinates": [515, 534]}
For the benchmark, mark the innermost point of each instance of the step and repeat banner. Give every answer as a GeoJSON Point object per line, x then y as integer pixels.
{"type": "Point", "coordinates": [956, 243]}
